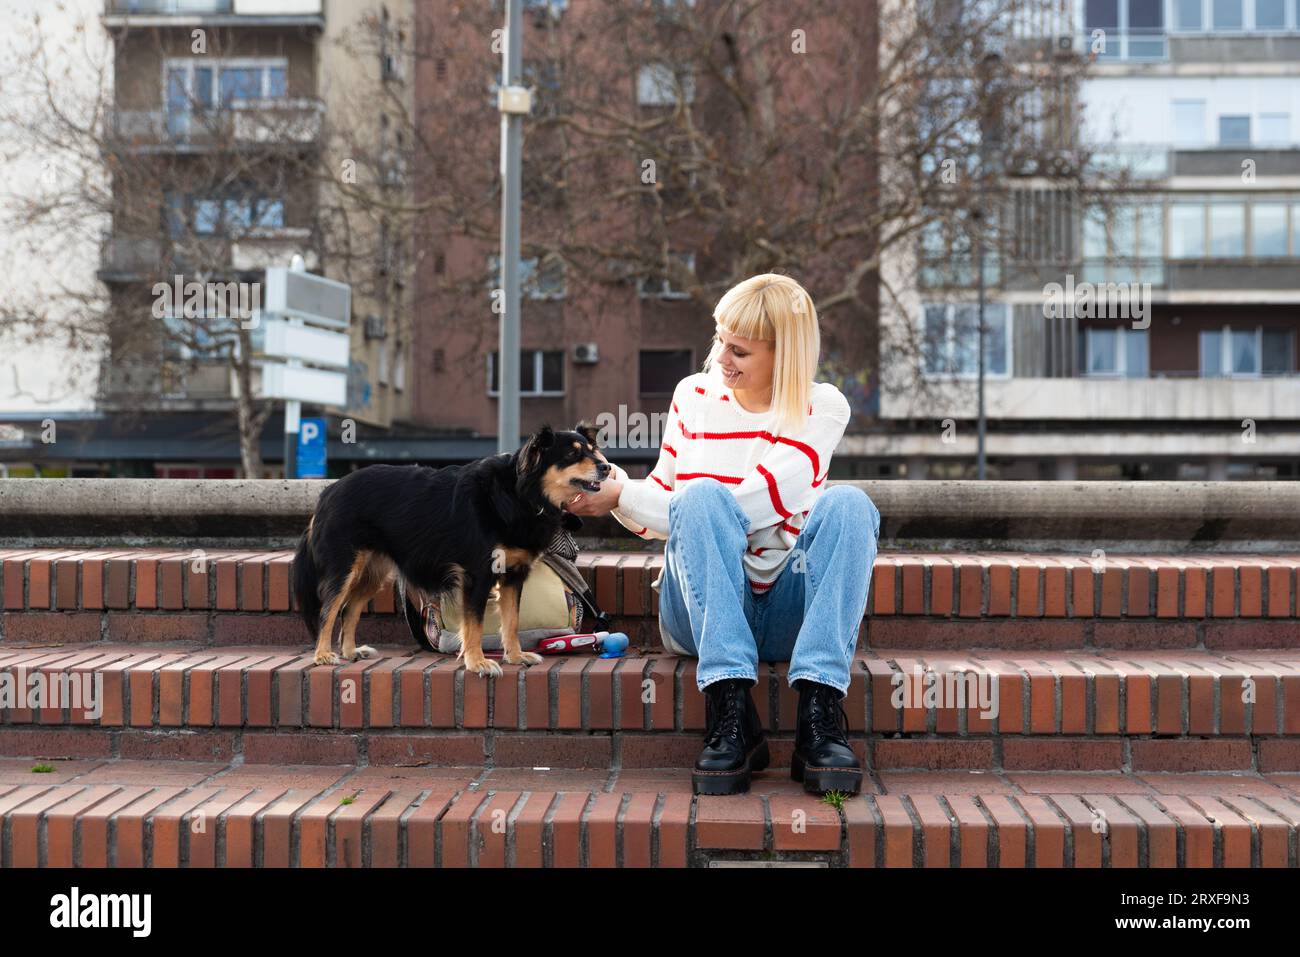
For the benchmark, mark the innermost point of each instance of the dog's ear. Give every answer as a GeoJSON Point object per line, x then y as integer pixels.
{"type": "Point", "coordinates": [588, 431]}
{"type": "Point", "coordinates": [531, 454]}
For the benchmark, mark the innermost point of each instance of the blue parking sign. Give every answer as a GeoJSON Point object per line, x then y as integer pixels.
{"type": "Point", "coordinates": [311, 448]}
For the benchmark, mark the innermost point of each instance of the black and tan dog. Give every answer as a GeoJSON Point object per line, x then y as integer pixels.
{"type": "Point", "coordinates": [463, 528]}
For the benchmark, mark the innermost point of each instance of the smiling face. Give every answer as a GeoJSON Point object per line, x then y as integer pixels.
{"type": "Point", "coordinates": [746, 364]}
{"type": "Point", "coordinates": [567, 463]}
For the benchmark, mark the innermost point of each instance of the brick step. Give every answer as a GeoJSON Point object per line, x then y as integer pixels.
{"type": "Point", "coordinates": [1152, 710]}
{"type": "Point", "coordinates": [127, 813]}
{"type": "Point", "coordinates": [917, 599]}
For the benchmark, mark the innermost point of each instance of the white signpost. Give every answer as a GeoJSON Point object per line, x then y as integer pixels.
{"type": "Point", "coordinates": [304, 346]}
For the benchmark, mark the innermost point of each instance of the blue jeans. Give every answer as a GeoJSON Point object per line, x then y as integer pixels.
{"type": "Point", "coordinates": [809, 617]}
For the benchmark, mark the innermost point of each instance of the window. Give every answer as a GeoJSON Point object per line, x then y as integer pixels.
{"type": "Point", "coordinates": [1189, 122]}
{"type": "Point", "coordinates": [1246, 352]}
{"type": "Point", "coordinates": [191, 88]}
{"type": "Point", "coordinates": [1187, 15]}
{"type": "Point", "coordinates": [1277, 350]}
{"type": "Point", "coordinates": [231, 215]}
{"type": "Point", "coordinates": [657, 84]}
{"type": "Point", "coordinates": [1268, 229]}
{"type": "Point", "coordinates": [662, 369]}
{"type": "Point", "coordinates": [1227, 229]}
{"type": "Point", "coordinates": [1151, 231]}
{"type": "Point", "coordinates": [1132, 28]}
{"type": "Point", "coordinates": [948, 251]}
{"type": "Point", "coordinates": [540, 372]}
{"type": "Point", "coordinates": [1270, 14]}
{"type": "Point", "coordinates": [1186, 230]}
{"type": "Point", "coordinates": [1275, 129]}
{"type": "Point", "coordinates": [246, 214]}
{"type": "Point", "coordinates": [546, 282]}
{"type": "Point", "coordinates": [951, 339]}
{"type": "Point", "coordinates": [1120, 351]}
{"type": "Point", "coordinates": [1135, 231]}
{"type": "Point", "coordinates": [1194, 16]}
{"type": "Point", "coordinates": [1227, 14]}
{"type": "Point", "coordinates": [1295, 229]}
{"type": "Point", "coordinates": [1234, 131]}
{"type": "Point", "coordinates": [661, 287]}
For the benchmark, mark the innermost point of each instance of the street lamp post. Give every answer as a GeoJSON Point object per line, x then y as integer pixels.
{"type": "Point", "coordinates": [982, 424]}
{"type": "Point", "coordinates": [513, 103]}
{"type": "Point", "coordinates": [988, 130]}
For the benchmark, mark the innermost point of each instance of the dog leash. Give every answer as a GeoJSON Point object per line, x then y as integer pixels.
{"type": "Point", "coordinates": [560, 556]}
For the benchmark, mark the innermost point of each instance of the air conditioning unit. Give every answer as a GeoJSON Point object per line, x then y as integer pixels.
{"type": "Point", "coordinates": [1060, 163]}
{"type": "Point", "coordinates": [1065, 43]}
{"type": "Point", "coordinates": [375, 327]}
{"type": "Point", "coordinates": [585, 353]}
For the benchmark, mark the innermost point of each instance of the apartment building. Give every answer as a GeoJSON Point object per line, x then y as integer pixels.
{"type": "Point", "coordinates": [601, 340]}
{"type": "Point", "coordinates": [227, 115]}
{"type": "Point", "coordinates": [1190, 110]}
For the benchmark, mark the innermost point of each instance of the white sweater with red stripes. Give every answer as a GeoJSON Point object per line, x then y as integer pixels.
{"type": "Point", "coordinates": [774, 478]}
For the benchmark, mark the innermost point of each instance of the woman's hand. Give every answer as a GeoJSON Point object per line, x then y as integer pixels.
{"type": "Point", "coordinates": [597, 503]}
{"type": "Point", "coordinates": [594, 504]}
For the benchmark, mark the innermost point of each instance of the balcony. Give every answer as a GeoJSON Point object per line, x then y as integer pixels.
{"type": "Point", "coordinates": [234, 13]}
{"type": "Point", "coordinates": [1098, 399]}
{"type": "Point", "coordinates": [243, 125]}
{"type": "Point", "coordinates": [128, 258]}
{"type": "Point", "coordinates": [135, 258]}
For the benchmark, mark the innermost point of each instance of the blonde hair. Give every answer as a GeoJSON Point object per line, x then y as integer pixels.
{"type": "Point", "coordinates": [778, 310]}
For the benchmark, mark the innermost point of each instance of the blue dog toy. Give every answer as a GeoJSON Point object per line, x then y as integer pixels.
{"type": "Point", "coordinates": [613, 645]}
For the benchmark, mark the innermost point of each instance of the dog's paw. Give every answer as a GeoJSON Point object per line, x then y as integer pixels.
{"type": "Point", "coordinates": [330, 658]}
{"type": "Point", "coordinates": [486, 668]}
{"type": "Point", "coordinates": [525, 658]}
{"type": "Point", "coordinates": [363, 651]}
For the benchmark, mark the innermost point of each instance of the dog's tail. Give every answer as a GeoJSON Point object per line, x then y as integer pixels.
{"type": "Point", "coordinates": [305, 582]}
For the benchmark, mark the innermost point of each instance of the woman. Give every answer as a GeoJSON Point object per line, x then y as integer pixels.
{"type": "Point", "coordinates": [762, 561]}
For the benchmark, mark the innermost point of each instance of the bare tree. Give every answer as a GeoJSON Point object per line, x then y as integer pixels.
{"type": "Point", "coordinates": [193, 197]}
{"type": "Point", "coordinates": [685, 146]}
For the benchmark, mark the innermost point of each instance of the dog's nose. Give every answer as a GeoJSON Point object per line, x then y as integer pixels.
{"type": "Point", "coordinates": [603, 469]}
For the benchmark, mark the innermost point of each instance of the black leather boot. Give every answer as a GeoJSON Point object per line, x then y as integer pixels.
{"type": "Point", "coordinates": [822, 758]}
{"type": "Point", "coordinates": [734, 745]}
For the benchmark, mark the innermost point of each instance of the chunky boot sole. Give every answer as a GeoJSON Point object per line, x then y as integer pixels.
{"type": "Point", "coordinates": [732, 782]}
{"type": "Point", "coordinates": [821, 780]}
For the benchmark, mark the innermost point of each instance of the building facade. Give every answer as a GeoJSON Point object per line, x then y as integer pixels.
{"type": "Point", "coordinates": [1149, 326]}
{"type": "Point", "coordinates": [243, 133]}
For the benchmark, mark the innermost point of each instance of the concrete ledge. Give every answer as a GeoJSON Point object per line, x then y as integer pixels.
{"type": "Point", "coordinates": [970, 516]}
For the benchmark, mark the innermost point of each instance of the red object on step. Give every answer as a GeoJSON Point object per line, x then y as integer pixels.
{"type": "Point", "coordinates": [561, 644]}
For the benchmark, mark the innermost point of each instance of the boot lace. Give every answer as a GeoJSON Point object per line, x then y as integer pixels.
{"type": "Point", "coordinates": [826, 717]}
{"type": "Point", "coordinates": [724, 717]}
